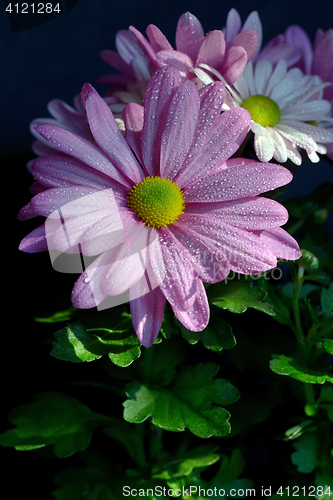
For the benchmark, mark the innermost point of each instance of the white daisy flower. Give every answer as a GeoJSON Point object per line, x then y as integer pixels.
{"type": "Point", "coordinates": [285, 107]}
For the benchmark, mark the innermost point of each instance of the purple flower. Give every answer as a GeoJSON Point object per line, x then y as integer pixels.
{"type": "Point", "coordinates": [191, 212]}
{"type": "Point", "coordinates": [137, 58]}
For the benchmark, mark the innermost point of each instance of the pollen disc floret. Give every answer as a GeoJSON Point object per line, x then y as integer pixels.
{"type": "Point", "coordinates": [263, 110]}
{"type": "Point", "coordinates": [157, 201]}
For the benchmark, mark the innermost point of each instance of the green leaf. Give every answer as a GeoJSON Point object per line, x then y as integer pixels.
{"type": "Point", "coordinates": [202, 456]}
{"type": "Point", "coordinates": [328, 345]}
{"type": "Point", "coordinates": [280, 308]}
{"type": "Point", "coordinates": [327, 300]}
{"type": "Point", "coordinates": [186, 402]}
{"type": "Point", "coordinates": [56, 317]}
{"type": "Point", "coordinates": [305, 456]}
{"type": "Point", "coordinates": [216, 336]}
{"type": "Point", "coordinates": [237, 296]}
{"type": "Point", "coordinates": [230, 468]}
{"type": "Point", "coordinates": [53, 418]}
{"type": "Point", "coordinates": [77, 344]}
{"type": "Point", "coordinates": [282, 365]}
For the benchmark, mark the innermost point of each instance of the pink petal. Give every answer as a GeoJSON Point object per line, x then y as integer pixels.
{"type": "Point", "coordinates": [108, 135]}
{"type": "Point", "coordinates": [245, 251]}
{"type": "Point", "coordinates": [234, 63]}
{"type": "Point", "coordinates": [179, 128]}
{"type": "Point", "coordinates": [182, 62]}
{"type": "Point", "coordinates": [147, 314]}
{"type": "Point", "coordinates": [115, 61]}
{"type": "Point", "coordinates": [281, 243]}
{"type": "Point", "coordinates": [237, 179]}
{"type": "Point", "coordinates": [253, 23]}
{"type": "Point", "coordinates": [213, 147]}
{"type": "Point", "coordinates": [143, 42]}
{"type": "Point", "coordinates": [128, 46]}
{"type": "Point", "coordinates": [233, 26]}
{"type": "Point", "coordinates": [57, 171]}
{"type": "Point", "coordinates": [82, 150]}
{"type": "Point", "coordinates": [87, 291]}
{"type": "Point", "coordinates": [189, 35]}
{"type": "Point", "coordinates": [132, 115]}
{"type": "Point", "coordinates": [157, 40]}
{"type": "Point", "coordinates": [248, 40]}
{"type": "Point", "coordinates": [208, 259]}
{"type": "Point", "coordinates": [196, 318]}
{"type": "Point", "coordinates": [212, 50]}
{"type": "Point", "coordinates": [35, 241]}
{"type": "Point", "coordinates": [159, 94]}
{"type": "Point", "coordinates": [303, 53]}
{"type": "Point", "coordinates": [172, 266]}
{"type": "Point", "coordinates": [252, 213]}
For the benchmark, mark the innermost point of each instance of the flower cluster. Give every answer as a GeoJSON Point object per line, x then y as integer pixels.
{"type": "Point", "coordinates": [146, 181]}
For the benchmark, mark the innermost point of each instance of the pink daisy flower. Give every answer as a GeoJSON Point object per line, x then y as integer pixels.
{"type": "Point", "coordinates": [194, 213]}
{"type": "Point", "coordinates": [137, 58]}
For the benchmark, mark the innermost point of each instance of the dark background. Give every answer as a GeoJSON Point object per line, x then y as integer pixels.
{"type": "Point", "coordinates": [53, 60]}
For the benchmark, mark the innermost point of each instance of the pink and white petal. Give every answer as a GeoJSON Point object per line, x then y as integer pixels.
{"type": "Point", "coordinates": [108, 136]}
{"type": "Point", "coordinates": [159, 94]}
{"type": "Point", "coordinates": [278, 74]}
{"type": "Point", "coordinates": [236, 179]}
{"type": "Point", "coordinates": [196, 318]}
{"type": "Point", "coordinates": [307, 111]}
{"type": "Point", "coordinates": [280, 147]}
{"type": "Point", "coordinates": [147, 313]}
{"type": "Point", "coordinates": [214, 146]}
{"type": "Point", "coordinates": [189, 35]}
{"type": "Point", "coordinates": [179, 129]}
{"type": "Point", "coordinates": [286, 87]}
{"type": "Point", "coordinates": [282, 244]}
{"type": "Point", "coordinates": [133, 118]}
{"type": "Point", "coordinates": [208, 260]}
{"type": "Point", "coordinates": [248, 39]}
{"type": "Point", "coordinates": [245, 251]}
{"type": "Point", "coordinates": [296, 137]}
{"type": "Point", "coordinates": [212, 50]}
{"type": "Point", "coordinates": [262, 74]}
{"type": "Point", "coordinates": [172, 266]}
{"type": "Point", "coordinates": [157, 39]}
{"type": "Point", "coordinates": [264, 145]}
{"type": "Point", "coordinates": [35, 241]}
{"type": "Point", "coordinates": [318, 134]}
{"type": "Point", "coordinates": [252, 213]}
{"type": "Point", "coordinates": [234, 63]}
{"type": "Point", "coordinates": [82, 150]}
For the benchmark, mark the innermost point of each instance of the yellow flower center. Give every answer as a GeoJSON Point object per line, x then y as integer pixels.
{"type": "Point", "coordinates": [263, 110]}
{"type": "Point", "coordinates": [157, 201]}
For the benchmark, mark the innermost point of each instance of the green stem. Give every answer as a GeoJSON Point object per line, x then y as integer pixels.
{"type": "Point", "coordinates": [298, 282]}
{"type": "Point", "coordinates": [299, 333]}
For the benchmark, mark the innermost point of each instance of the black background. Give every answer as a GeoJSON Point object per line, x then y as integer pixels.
{"type": "Point", "coordinates": [54, 60]}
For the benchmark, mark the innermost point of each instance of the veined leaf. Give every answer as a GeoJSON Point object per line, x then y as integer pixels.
{"type": "Point", "coordinates": [187, 402]}
{"type": "Point", "coordinates": [283, 365]}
